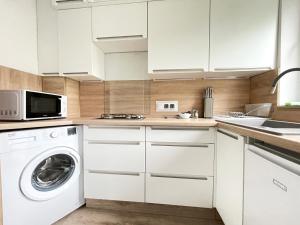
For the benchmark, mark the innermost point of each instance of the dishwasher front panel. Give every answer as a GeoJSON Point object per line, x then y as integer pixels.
{"type": "Point", "coordinates": [271, 189]}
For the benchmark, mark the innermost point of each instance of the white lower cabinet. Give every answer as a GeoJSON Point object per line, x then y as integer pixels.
{"type": "Point", "coordinates": [114, 186]}
{"type": "Point", "coordinates": [121, 164]}
{"type": "Point", "coordinates": [180, 166]}
{"type": "Point", "coordinates": [114, 168]}
{"type": "Point", "coordinates": [230, 177]}
{"type": "Point", "coordinates": [196, 192]}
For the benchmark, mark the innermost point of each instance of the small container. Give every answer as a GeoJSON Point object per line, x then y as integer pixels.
{"type": "Point", "coordinates": [185, 115]}
{"type": "Point", "coordinates": [208, 107]}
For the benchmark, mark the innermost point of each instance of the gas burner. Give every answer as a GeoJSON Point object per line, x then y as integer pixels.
{"type": "Point", "coordinates": [122, 116]}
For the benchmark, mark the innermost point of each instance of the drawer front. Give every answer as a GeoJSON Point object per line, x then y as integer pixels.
{"type": "Point", "coordinates": [114, 133]}
{"type": "Point", "coordinates": [180, 134]}
{"type": "Point", "coordinates": [184, 160]}
{"type": "Point", "coordinates": [123, 157]}
{"type": "Point", "coordinates": [179, 191]}
{"type": "Point", "coordinates": [119, 187]}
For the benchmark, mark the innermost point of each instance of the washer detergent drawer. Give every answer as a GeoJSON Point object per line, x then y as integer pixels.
{"type": "Point", "coordinates": [114, 133]}
{"type": "Point", "coordinates": [113, 186]}
{"type": "Point", "coordinates": [164, 189]}
{"type": "Point", "coordinates": [122, 157]}
{"type": "Point", "coordinates": [180, 159]}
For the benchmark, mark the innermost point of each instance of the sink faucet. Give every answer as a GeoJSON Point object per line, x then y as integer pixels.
{"type": "Point", "coordinates": [274, 85]}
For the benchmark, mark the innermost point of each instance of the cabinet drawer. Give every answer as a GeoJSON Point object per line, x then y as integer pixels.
{"type": "Point", "coordinates": [109, 186]}
{"type": "Point", "coordinates": [176, 159]}
{"type": "Point", "coordinates": [114, 133]}
{"type": "Point", "coordinates": [180, 134]}
{"type": "Point", "coordinates": [124, 157]}
{"type": "Point", "coordinates": [179, 191]}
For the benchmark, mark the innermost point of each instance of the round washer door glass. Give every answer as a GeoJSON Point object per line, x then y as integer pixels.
{"type": "Point", "coordinates": [53, 172]}
{"type": "Point", "coordinates": [50, 173]}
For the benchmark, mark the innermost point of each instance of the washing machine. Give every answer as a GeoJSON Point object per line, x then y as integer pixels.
{"type": "Point", "coordinates": [41, 171]}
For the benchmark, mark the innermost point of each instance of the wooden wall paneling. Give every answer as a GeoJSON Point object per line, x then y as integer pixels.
{"type": "Point", "coordinates": [287, 114]}
{"type": "Point", "coordinates": [15, 79]}
{"type": "Point", "coordinates": [229, 95]}
{"type": "Point", "coordinates": [73, 93]}
{"type": "Point", "coordinates": [260, 93]}
{"type": "Point", "coordinates": [261, 88]}
{"type": "Point", "coordinates": [68, 87]}
{"type": "Point", "coordinates": [56, 85]}
{"type": "Point", "coordinates": [126, 97]}
{"type": "Point", "coordinates": [91, 99]}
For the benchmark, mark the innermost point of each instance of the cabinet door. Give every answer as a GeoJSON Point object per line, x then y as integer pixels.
{"type": "Point", "coordinates": [243, 35]}
{"type": "Point", "coordinates": [178, 36]}
{"type": "Point", "coordinates": [230, 170]}
{"type": "Point", "coordinates": [75, 39]}
{"type": "Point", "coordinates": [120, 21]}
{"type": "Point", "coordinates": [47, 38]}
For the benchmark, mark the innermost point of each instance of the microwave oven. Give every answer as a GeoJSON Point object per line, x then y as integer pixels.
{"type": "Point", "coordinates": [31, 105]}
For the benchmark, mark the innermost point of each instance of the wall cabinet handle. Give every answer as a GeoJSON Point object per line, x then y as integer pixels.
{"type": "Point", "coordinates": [198, 70]}
{"type": "Point", "coordinates": [242, 69]}
{"type": "Point", "coordinates": [119, 37]}
{"type": "Point", "coordinates": [67, 1]}
{"type": "Point", "coordinates": [54, 73]}
{"type": "Point", "coordinates": [229, 135]}
{"type": "Point", "coordinates": [75, 73]}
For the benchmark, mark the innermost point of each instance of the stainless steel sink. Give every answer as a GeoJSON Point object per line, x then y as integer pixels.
{"type": "Point", "coordinates": [264, 125]}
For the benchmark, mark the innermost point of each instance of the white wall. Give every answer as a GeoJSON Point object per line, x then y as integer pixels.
{"type": "Point", "coordinates": [290, 51]}
{"type": "Point", "coordinates": [18, 35]}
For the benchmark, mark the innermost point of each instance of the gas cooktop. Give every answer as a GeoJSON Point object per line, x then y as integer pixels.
{"type": "Point", "coordinates": [122, 116]}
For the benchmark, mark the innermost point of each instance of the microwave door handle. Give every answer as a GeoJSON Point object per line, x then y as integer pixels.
{"type": "Point", "coordinates": [59, 105]}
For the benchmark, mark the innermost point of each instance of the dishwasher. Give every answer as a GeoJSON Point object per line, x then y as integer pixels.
{"type": "Point", "coordinates": [271, 185]}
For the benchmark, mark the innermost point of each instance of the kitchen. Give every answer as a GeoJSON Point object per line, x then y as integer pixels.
{"type": "Point", "coordinates": [150, 112]}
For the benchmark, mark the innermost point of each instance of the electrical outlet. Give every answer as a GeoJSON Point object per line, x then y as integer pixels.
{"type": "Point", "coordinates": [166, 106]}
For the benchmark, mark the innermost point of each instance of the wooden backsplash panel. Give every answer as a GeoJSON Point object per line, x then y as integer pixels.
{"type": "Point", "coordinates": [15, 79]}
{"type": "Point", "coordinates": [55, 85]}
{"type": "Point", "coordinates": [68, 87]}
{"type": "Point", "coordinates": [261, 88]}
{"type": "Point", "coordinates": [92, 99]}
{"type": "Point", "coordinates": [229, 95]}
{"type": "Point", "coordinates": [260, 93]}
{"type": "Point", "coordinates": [127, 97]}
{"type": "Point", "coordinates": [73, 93]}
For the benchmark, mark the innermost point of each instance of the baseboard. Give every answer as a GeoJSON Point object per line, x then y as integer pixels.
{"type": "Point", "coordinates": [157, 209]}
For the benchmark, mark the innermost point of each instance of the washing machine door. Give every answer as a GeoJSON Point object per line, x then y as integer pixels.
{"type": "Point", "coordinates": [50, 173]}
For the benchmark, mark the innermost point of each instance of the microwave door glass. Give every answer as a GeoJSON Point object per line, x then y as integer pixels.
{"type": "Point", "coordinates": [42, 105]}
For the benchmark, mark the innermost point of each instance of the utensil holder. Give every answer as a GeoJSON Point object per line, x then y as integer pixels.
{"type": "Point", "coordinates": [208, 107]}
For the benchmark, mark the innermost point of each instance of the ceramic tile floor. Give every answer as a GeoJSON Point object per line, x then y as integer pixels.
{"type": "Point", "coordinates": [88, 216]}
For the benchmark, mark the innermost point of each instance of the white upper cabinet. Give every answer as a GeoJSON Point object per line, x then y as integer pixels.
{"type": "Point", "coordinates": [47, 38]}
{"type": "Point", "coordinates": [178, 36]}
{"type": "Point", "coordinates": [243, 35]}
{"type": "Point", "coordinates": [120, 28]}
{"type": "Point", "coordinates": [79, 58]}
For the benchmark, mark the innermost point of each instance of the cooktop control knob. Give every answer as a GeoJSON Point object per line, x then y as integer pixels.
{"type": "Point", "coordinates": [53, 134]}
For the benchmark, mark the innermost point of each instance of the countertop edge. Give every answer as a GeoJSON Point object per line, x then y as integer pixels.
{"type": "Point", "coordinates": [289, 142]}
